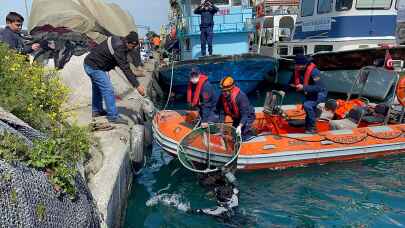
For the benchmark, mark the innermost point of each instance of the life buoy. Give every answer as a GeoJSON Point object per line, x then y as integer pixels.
{"type": "Point", "coordinates": [400, 91]}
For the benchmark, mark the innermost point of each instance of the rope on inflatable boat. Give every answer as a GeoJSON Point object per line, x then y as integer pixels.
{"type": "Point", "coordinates": [341, 139]}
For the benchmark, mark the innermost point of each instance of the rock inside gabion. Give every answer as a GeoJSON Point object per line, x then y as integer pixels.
{"type": "Point", "coordinates": [29, 200]}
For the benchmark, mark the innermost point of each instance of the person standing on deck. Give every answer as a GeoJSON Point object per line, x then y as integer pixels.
{"type": "Point", "coordinates": [200, 95]}
{"type": "Point", "coordinates": [103, 58]}
{"type": "Point", "coordinates": [207, 10]}
{"type": "Point", "coordinates": [307, 79]}
{"type": "Point", "coordinates": [235, 103]}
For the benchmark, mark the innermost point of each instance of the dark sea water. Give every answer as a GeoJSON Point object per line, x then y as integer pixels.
{"type": "Point", "coordinates": [367, 193]}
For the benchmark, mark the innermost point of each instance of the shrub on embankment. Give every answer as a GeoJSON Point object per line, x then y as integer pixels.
{"type": "Point", "coordinates": [35, 95]}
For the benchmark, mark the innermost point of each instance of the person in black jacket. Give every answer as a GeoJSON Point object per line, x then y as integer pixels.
{"type": "Point", "coordinates": [12, 37]}
{"type": "Point", "coordinates": [103, 58]}
{"type": "Point", "coordinates": [207, 10]}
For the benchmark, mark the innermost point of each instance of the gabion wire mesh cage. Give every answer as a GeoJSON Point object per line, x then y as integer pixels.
{"type": "Point", "coordinates": [206, 150]}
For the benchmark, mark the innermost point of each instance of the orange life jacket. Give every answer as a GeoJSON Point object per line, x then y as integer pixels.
{"type": "Point", "coordinates": [344, 107]}
{"type": "Point", "coordinates": [235, 114]}
{"type": "Point", "coordinates": [307, 75]}
{"type": "Point", "coordinates": [194, 99]}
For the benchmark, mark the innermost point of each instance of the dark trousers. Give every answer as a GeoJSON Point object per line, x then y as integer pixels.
{"type": "Point", "coordinates": [206, 37]}
{"type": "Point", "coordinates": [102, 90]}
{"type": "Point", "coordinates": [310, 110]}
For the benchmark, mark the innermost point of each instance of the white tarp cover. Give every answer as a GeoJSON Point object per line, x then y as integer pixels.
{"type": "Point", "coordinates": [82, 16]}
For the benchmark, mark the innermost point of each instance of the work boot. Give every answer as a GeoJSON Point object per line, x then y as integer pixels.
{"type": "Point", "coordinates": [98, 114]}
{"type": "Point", "coordinates": [310, 131]}
{"type": "Point", "coordinates": [118, 120]}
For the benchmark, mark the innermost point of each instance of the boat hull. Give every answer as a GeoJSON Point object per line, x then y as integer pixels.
{"type": "Point", "coordinates": [248, 70]}
{"type": "Point", "coordinates": [341, 81]}
{"type": "Point", "coordinates": [295, 152]}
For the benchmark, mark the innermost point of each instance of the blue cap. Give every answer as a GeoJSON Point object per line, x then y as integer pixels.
{"type": "Point", "coordinates": [194, 71]}
{"type": "Point", "coordinates": [301, 59]}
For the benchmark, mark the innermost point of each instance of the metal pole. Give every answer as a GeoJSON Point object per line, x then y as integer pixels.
{"type": "Point", "coordinates": [260, 38]}
{"type": "Point", "coordinates": [392, 100]}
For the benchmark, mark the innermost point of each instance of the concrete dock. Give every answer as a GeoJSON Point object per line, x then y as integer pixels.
{"type": "Point", "coordinates": [108, 172]}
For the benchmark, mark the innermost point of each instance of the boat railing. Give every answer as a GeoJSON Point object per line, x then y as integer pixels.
{"type": "Point", "coordinates": [234, 22]}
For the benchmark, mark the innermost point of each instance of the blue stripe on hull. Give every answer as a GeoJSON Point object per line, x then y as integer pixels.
{"type": "Point", "coordinates": [247, 73]}
{"type": "Point", "coordinates": [354, 26]}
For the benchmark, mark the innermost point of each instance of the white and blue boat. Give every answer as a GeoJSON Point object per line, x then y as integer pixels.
{"type": "Point", "coordinates": [341, 25]}
{"type": "Point", "coordinates": [343, 36]}
{"type": "Point", "coordinates": [233, 37]}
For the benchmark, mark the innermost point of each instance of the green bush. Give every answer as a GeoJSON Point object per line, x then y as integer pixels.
{"type": "Point", "coordinates": [35, 95]}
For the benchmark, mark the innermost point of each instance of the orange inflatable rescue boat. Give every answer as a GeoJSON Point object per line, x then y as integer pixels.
{"type": "Point", "coordinates": [281, 142]}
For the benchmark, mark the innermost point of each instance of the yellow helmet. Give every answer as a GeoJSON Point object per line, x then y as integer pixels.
{"type": "Point", "coordinates": [227, 83]}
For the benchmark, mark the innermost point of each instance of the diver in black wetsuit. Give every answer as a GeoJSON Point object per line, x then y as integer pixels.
{"type": "Point", "coordinates": [226, 194]}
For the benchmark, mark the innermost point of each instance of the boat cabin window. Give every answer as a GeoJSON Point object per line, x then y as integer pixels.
{"type": "Point", "coordinates": [307, 7]}
{"type": "Point", "coordinates": [319, 48]}
{"type": "Point", "coordinates": [299, 50]}
{"type": "Point", "coordinates": [220, 2]}
{"type": "Point", "coordinates": [187, 44]}
{"type": "Point", "coordinates": [373, 4]}
{"type": "Point", "coordinates": [343, 5]}
{"type": "Point", "coordinates": [267, 37]}
{"type": "Point", "coordinates": [195, 3]}
{"type": "Point", "coordinates": [282, 50]}
{"type": "Point", "coordinates": [236, 2]}
{"type": "Point", "coordinates": [324, 6]}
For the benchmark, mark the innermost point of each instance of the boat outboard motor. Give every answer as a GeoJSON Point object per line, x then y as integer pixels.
{"type": "Point", "coordinates": [273, 102]}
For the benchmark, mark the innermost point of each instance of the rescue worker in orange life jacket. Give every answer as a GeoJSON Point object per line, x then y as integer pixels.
{"type": "Point", "coordinates": [307, 79]}
{"type": "Point", "coordinates": [201, 96]}
{"type": "Point", "coordinates": [234, 103]}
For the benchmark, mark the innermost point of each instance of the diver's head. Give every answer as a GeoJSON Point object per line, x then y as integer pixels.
{"type": "Point", "coordinates": [224, 193]}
